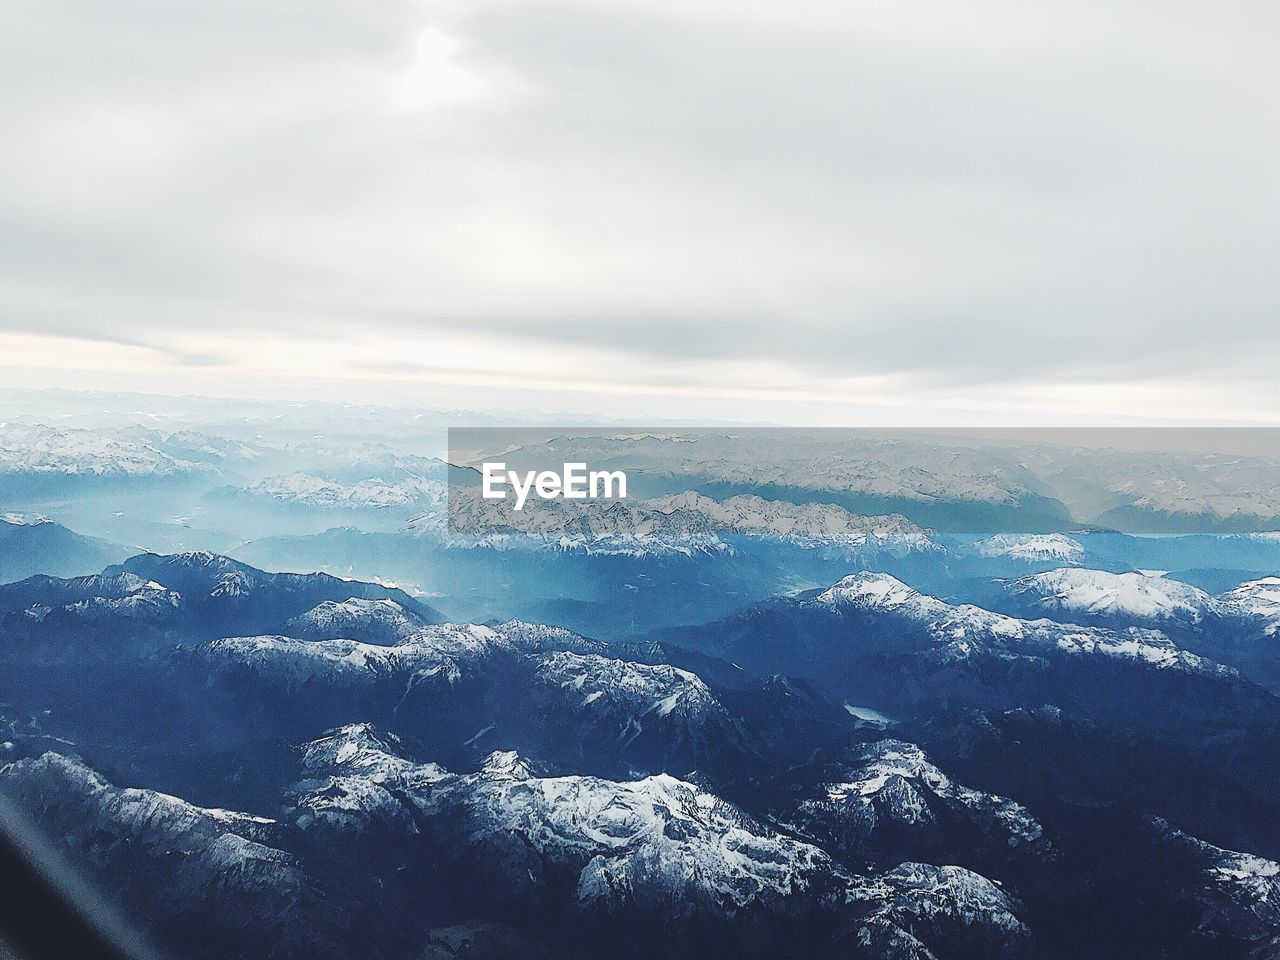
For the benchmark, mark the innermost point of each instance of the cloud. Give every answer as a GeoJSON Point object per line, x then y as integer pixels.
{"type": "Point", "coordinates": [925, 199]}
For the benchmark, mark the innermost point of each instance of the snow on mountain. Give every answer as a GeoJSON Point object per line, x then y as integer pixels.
{"type": "Point", "coordinates": [39, 449]}
{"type": "Point", "coordinates": [355, 778]}
{"type": "Point", "coordinates": [1119, 595]}
{"type": "Point", "coordinates": [1154, 600]}
{"type": "Point", "coordinates": [922, 910]}
{"type": "Point", "coordinates": [233, 583]}
{"type": "Point", "coordinates": [1221, 486]}
{"type": "Point", "coordinates": [443, 651]}
{"type": "Point", "coordinates": [1257, 599]}
{"type": "Point", "coordinates": [370, 493]}
{"type": "Point", "coordinates": [360, 750]}
{"type": "Point", "coordinates": [172, 862]}
{"type": "Point", "coordinates": [538, 637]}
{"type": "Point", "coordinates": [200, 593]}
{"type": "Point", "coordinates": [905, 468]}
{"type": "Point", "coordinates": [657, 846]}
{"type": "Point", "coordinates": [471, 685]}
{"type": "Point", "coordinates": [357, 746]}
{"type": "Point", "coordinates": [924, 476]}
{"type": "Point", "coordinates": [686, 523]}
{"type": "Point", "coordinates": [370, 621]}
{"type": "Point", "coordinates": [141, 814]}
{"type": "Point", "coordinates": [961, 627]}
{"type": "Point", "coordinates": [880, 591]}
{"type": "Point", "coordinates": [24, 520]}
{"type": "Point", "coordinates": [56, 591]}
{"type": "Point", "coordinates": [199, 446]}
{"type": "Point", "coordinates": [811, 524]}
{"type": "Point", "coordinates": [606, 707]}
{"type": "Point", "coordinates": [150, 601]}
{"type": "Point", "coordinates": [89, 599]}
{"type": "Point", "coordinates": [619, 528]}
{"type": "Point", "coordinates": [293, 661]}
{"type": "Point", "coordinates": [202, 570]}
{"type": "Point", "coordinates": [209, 579]}
{"type": "Point", "coordinates": [1239, 892]}
{"type": "Point", "coordinates": [1033, 548]}
{"type": "Point", "coordinates": [639, 688]}
{"type": "Point", "coordinates": [666, 844]}
{"type": "Point", "coordinates": [665, 847]}
{"type": "Point", "coordinates": [892, 785]}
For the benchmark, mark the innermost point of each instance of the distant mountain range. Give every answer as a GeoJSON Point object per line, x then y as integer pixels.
{"type": "Point", "coordinates": [945, 483]}
{"type": "Point", "coordinates": [687, 523]}
{"type": "Point", "coordinates": [950, 483]}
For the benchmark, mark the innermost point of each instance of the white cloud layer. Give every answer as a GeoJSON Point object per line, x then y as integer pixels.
{"type": "Point", "coordinates": [1055, 209]}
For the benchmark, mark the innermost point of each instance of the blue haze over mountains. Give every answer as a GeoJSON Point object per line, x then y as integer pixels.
{"type": "Point", "coordinates": [899, 696]}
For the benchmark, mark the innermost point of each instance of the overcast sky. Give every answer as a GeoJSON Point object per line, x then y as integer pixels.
{"type": "Point", "coordinates": [801, 211]}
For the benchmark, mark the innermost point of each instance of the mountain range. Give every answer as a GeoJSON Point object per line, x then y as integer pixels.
{"type": "Point", "coordinates": [295, 765]}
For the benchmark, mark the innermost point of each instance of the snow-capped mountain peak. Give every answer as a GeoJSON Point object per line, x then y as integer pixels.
{"type": "Point", "coordinates": [874, 591]}
{"type": "Point", "coordinates": [371, 621]}
{"type": "Point", "coordinates": [966, 627]}
{"type": "Point", "coordinates": [1100, 593]}
{"type": "Point", "coordinates": [507, 765]}
{"type": "Point", "coordinates": [1041, 547]}
{"type": "Point", "coordinates": [1256, 599]}
{"type": "Point", "coordinates": [892, 783]}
